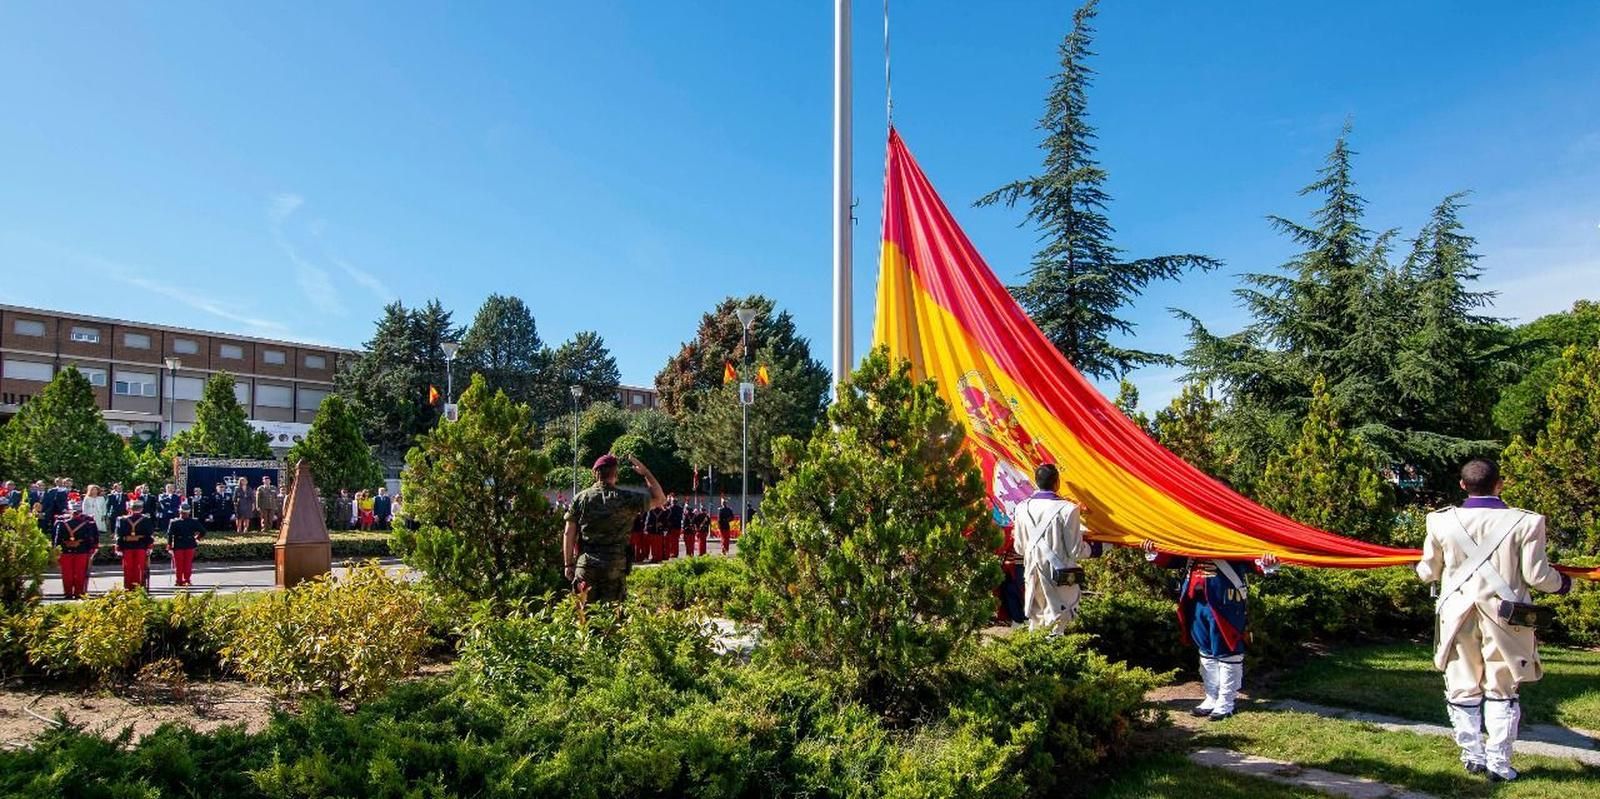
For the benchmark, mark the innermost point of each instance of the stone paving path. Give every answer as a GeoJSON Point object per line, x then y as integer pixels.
{"type": "Point", "coordinates": [1286, 773]}
{"type": "Point", "coordinates": [1549, 740]}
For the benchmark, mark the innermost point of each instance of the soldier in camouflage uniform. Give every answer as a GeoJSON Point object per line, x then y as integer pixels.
{"type": "Point", "coordinates": [598, 525]}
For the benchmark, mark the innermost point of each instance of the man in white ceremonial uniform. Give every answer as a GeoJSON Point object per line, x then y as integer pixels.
{"type": "Point", "coordinates": [1048, 535]}
{"type": "Point", "coordinates": [1486, 556]}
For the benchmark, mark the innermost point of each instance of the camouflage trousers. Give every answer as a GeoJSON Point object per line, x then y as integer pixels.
{"type": "Point", "coordinates": [604, 578]}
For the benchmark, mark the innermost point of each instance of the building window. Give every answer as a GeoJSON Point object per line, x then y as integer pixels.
{"type": "Point", "coordinates": [27, 327]}
{"type": "Point", "coordinates": [274, 397]}
{"type": "Point", "coordinates": [86, 335]}
{"type": "Point", "coordinates": [638, 399]}
{"type": "Point", "coordinates": [316, 362]}
{"type": "Point", "coordinates": [232, 352]}
{"type": "Point", "coordinates": [241, 392]}
{"type": "Point", "coordinates": [311, 398]}
{"type": "Point", "coordinates": [184, 346]}
{"type": "Point", "coordinates": [274, 357]}
{"type": "Point", "coordinates": [28, 370]}
{"type": "Point", "coordinates": [137, 341]}
{"type": "Point", "coordinates": [186, 388]}
{"type": "Point", "coordinates": [96, 377]}
{"type": "Point", "coordinates": [134, 384]}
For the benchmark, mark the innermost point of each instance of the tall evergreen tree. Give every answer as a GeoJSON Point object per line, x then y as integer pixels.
{"type": "Point", "coordinates": [503, 345]}
{"type": "Point", "coordinates": [337, 453]}
{"type": "Point", "coordinates": [582, 361]}
{"type": "Point", "coordinates": [1079, 280]}
{"type": "Point", "coordinates": [387, 384]}
{"type": "Point", "coordinates": [1339, 311]}
{"type": "Point", "coordinates": [691, 386]}
{"type": "Point", "coordinates": [60, 433]}
{"type": "Point", "coordinates": [220, 428]}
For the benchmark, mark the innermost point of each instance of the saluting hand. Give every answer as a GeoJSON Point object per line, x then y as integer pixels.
{"type": "Point", "coordinates": [638, 466]}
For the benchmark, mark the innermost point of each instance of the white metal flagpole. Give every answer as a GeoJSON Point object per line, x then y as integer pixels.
{"type": "Point", "coordinates": [843, 360]}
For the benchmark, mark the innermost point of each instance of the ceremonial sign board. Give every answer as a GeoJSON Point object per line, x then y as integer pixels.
{"type": "Point", "coordinates": [207, 472]}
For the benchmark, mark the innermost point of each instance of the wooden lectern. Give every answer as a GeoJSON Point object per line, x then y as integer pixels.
{"type": "Point", "coordinates": [303, 550]}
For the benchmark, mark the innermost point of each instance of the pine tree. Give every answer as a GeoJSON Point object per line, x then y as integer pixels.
{"type": "Point", "coordinates": [220, 428]}
{"type": "Point", "coordinates": [60, 433]}
{"type": "Point", "coordinates": [503, 345]}
{"type": "Point", "coordinates": [691, 388]}
{"type": "Point", "coordinates": [1079, 280]}
{"type": "Point", "coordinates": [874, 554]}
{"type": "Point", "coordinates": [1127, 401]}
{"type": "Point", "coordinates": [1558, 475]}
{"type": "Point", "coordinates": [1328, 479]}
{"type": "Point", "coordinates": [582, 361]}
{"type": "Point", "coordinates": [337, 453]}
{"type": "Point", "coordinates": [387, 384]}
{"type": "Point", "coordinates": [484, 529]}
{"type": "Point", "coordinates": [1405, 357]}
{"type": "Point", "coordinates": [1188, 427]}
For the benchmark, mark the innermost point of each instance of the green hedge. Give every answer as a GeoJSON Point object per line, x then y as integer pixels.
{"type": "Point", "coordinates": [351, 544]}
{"type": "Point", "coordinates": [714, 583]}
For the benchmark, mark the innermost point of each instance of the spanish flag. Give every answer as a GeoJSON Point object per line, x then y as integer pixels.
{"type": "Point", "coordinates": [433, 395]}
{"type": "Point", "coordinates": [762, 378]}
{"type": "Point", "coordinates": [728, 374]}
{"type": "Point", "coordinates": [940, 307]}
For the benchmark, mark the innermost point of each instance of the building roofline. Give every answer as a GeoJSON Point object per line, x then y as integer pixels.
{"type": "Point", "coordinates": [106, 320]}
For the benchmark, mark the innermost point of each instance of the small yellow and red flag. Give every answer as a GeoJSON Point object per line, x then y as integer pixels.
{"type": "Point", "coordinates": [433, 395]}
{"type": "Point", "coordinates": [728, 374]}
{"type": "Point", "coordinates": [762, 378]}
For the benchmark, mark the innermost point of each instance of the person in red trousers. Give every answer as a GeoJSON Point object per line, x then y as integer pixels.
{"type": "Point", "coordinates": [136, 533]}
{"type": "Point", "coordinates": [77, 537]}
{"type": "Point", "coordinates": [183, 538]}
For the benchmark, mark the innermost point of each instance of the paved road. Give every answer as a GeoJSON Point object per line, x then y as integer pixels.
{"type": "Point", "coordinates": [226, 577]}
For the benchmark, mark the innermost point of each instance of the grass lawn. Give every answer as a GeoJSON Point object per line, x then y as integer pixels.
{"type": "Point", "coordinates": [1399, 680]}
{"type": "Point", "coordinates": [1425, 763]}
{"type": "Point", "coordinates": [1171, 776]}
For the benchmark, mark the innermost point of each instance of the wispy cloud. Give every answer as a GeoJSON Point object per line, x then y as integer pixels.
{"type": "Point", "coordinates": [133, 276]}
{"type": "Point", "coordinates": [314, 282]}
{"type": "Point", "coordinates": [365, 279]}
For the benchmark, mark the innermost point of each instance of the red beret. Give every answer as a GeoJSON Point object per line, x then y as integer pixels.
{"type": "Point", "coordinates": [605, 460]}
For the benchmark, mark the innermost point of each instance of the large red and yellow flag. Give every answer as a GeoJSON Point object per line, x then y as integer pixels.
{"type": "Point", "coordinates": [1023, 404]}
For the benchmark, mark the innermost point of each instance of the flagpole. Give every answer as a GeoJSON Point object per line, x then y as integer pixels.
{"type": "Point", "coordinates": [842, 290]}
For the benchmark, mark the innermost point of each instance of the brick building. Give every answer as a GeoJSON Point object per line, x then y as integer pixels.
{"type": "Point", "coordinates": [279, 383]}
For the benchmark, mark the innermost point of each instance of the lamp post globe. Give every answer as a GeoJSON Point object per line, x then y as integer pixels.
{"type": "Point", "coordinates": [747, 317]}
{"type": "Point", "coordinates": [449, 348]}
{"type": "Point", "coordinates": [172, 365]}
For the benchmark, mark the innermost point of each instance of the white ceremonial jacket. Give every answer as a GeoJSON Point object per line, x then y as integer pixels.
{"type": "Point", "coordinates": [1518, 559]}
{"type": "Point", "coordinates": [1048, 531]}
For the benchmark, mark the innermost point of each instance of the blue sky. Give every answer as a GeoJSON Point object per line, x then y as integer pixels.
{"type": "Point", "coordinates": [285, 169]}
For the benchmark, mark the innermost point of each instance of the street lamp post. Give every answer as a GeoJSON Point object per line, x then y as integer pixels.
{"type": "Point", "coordinates": [577, 391]}
{"type": "Point", "coordinates": [747, 396]}
{"type": "Point", "coordinates": [449, 348]}
{"type": "Point", "coordinates": [172, 365]}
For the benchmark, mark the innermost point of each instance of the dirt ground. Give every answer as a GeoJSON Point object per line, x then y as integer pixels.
{"type": "Point", "coordinates": [26, 710]}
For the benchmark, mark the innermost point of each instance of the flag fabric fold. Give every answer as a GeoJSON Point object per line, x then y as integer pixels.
{"type": "Point", "coordinates": [941, 307]}
{"type": "Point", "coordinates": [728, 373]}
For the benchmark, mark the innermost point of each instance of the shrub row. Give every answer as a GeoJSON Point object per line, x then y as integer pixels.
{"type": "Point", "coordinates": [345, 637]}
{"type": "Point", "coordinates": [596, 703]}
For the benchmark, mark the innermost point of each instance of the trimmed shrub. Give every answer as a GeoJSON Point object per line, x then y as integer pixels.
{"type": "Point", "coordinates": [352, 637]}
{"type": "Point", "coordinates": [1140, 629]}
{"type": "Point", "coordinates": [25, 553]}
{"type": "Point", "coordinates": [716, 584]}
{"type": "Point", "coordinates": [101, 636]}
